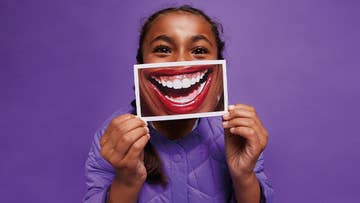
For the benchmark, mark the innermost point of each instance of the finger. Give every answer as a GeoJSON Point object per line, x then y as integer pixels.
{"type": "Point", "coordinates": [118, 121]}
{"type": "Point", "coordinates": [237, 112]}
{"type": "Point", "coordinates": [106, 150]}
{"type": "Point", "coordinates": [261, 131]}
{"type": "Point", "coordinates": [246, 133]}
{"type": "Point", "coordinates": [130, 124]}
{"type": "Point", "coordinates": [244, 113]}
{"type": "Point", "coordinates": [248, 108]}
{"type": "Point", "coordinates": [122, 118]}
{"type": "Point", "coordinates": [115, 159]}
{"type": "Point", "coordinates": [125, 127]}
{"type": "Point", "coordinates": [242, 106]}
{"type": "Point", "coordinates": [115, 122]}
{"type": "Point", "coordinates": [264, 139]}
{"type": "Point", "coordinates": [251, 123]}
{"type": "Point", "coordinates": [104, 138]}
{"type": "Point", "coordinates": [245, 122]}
{"type": "Point", "coordinates": [124, 142]}
{"type": "Point", "coordinates": [136, 149]}
{"type": "Point", "coordinates": [114, 153]}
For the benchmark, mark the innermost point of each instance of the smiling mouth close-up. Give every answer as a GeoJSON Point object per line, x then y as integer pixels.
{"type": "Point", "coordinates": [181, 90]}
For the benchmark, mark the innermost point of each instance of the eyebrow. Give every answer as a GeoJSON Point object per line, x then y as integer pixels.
{"type": "Point", "coordinates": [170, 40]}
{"type": "Point", "coordinates": [163, 38]}
{"type": "Point", "coordinates": [197, 38]}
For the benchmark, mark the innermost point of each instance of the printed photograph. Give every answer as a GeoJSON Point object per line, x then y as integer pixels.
{"type": "Point", "coordinates": [179, 90]}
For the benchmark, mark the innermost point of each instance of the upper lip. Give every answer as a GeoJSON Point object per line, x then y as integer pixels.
{"type": "Point", "coordinates": [178, 78]}
{"type": "Point", "coordinates": [177, 70]}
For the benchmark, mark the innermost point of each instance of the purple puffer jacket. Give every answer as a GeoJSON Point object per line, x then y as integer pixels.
{"type": "Point", "coordinates": [195, 165]}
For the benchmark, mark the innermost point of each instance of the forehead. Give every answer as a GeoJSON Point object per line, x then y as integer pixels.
{"type": "Point", "coordinates": [180, 23]}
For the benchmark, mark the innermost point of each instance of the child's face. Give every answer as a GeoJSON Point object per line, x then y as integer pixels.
{"type": "Point", "coordinates": [179, 36]}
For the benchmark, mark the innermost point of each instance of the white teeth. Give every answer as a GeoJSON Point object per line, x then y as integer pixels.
{"type": "Point", "coordinates": [163, 82]}
{"type": "Point", "coordinates": [177, 84]}
{"type": "Point", "coordinates": [193, 81]}
{"type": "Point", "coordinates": [180, 81]}
{"type": "Point", "coordinates": [186, 83]}
{"type": "Point", "coordinates": [188, 98]}
{"type": "Point", "coordinates": [198, 78]}
{"type": "Point", "coordinates": [169, 84]}
{"type": "Point", "coordinates": [157, 80]}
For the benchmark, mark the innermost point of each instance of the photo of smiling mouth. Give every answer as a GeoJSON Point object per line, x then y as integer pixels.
{"type": "Point", "coordinates": [181, 90]}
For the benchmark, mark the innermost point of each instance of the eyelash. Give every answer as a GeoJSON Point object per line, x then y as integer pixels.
{"type": "Point", "coordinates": [200, 51]}
{"type": "Point", "coordinates": [162, 49]}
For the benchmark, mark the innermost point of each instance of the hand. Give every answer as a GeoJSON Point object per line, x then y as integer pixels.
{"type": "Point", "coordinates": [122, 145]}
{"type": "Point", "coordinates": [245, 139]}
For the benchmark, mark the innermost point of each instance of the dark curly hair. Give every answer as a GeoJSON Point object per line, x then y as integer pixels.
{"type": "Point", "coordinates": [216, 28]}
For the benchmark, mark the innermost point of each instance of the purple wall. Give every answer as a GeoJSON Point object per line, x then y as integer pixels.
{"type": "Point", "coordinates": [65, 66]}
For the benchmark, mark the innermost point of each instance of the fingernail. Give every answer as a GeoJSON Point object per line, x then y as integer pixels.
{"type": "Point", "coordinates": [231, 107]}
{"type": "Point", "coordinates": [232, 130]}
{"type": "Point", "coordinates": [141, 119]}
{"type": "Point", "coordinates": [225, 123]}
{"type": "Point", "coordinates": [226, 116]}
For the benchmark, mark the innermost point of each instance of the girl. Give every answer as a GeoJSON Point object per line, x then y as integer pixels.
{"type": "Point", "coordinates": [192, 160]}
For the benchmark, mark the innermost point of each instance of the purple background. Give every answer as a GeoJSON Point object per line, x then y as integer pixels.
{"type": "Point", "coordinates": [65, 66]}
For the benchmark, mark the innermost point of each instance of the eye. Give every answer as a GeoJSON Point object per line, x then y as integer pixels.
{"type": "Point", "coordinates": [200, 50]}
{"type": "Point", "coordinates": [162, 49]}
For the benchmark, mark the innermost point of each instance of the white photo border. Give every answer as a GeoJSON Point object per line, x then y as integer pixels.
{"type": "Point", "coordinates": [173, 64]}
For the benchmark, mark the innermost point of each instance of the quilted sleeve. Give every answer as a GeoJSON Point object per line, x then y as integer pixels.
{"type": "Point", "coordinates": [267, 192]}
{"type": "Point", "coordinates": [98, 172]}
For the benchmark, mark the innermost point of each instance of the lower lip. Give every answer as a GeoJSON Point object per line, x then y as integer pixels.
{"type": "Point", "coordinates": [189, 107]}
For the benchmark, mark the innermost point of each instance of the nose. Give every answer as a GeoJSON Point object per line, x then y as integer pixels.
{"type": "Point", "coordinates": [183, 56]}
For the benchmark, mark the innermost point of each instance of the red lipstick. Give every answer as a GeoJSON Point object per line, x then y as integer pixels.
{"type": "Point", "coordinates": [181, 89]}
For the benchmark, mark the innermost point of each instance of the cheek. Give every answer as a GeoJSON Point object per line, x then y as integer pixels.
{"type": "Point", "coordinates": [150, 105]}
{"type": "Point", "coordinates": [142, 81]}
{"type": "Point", "coordinates": [146, 56]}
{"type": "Point", "coordinates": [218, 79]}
{"type": "Point", "coordinates": [156, 60]}
{"type": "Point", "coordinates": [144, 92]}
{"type": "Point", "coordinates": [215, 92]}
{"type": "Point", "coordinates": [150, 57]}
{"type": "Point", "coordinates": [216, 88]}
